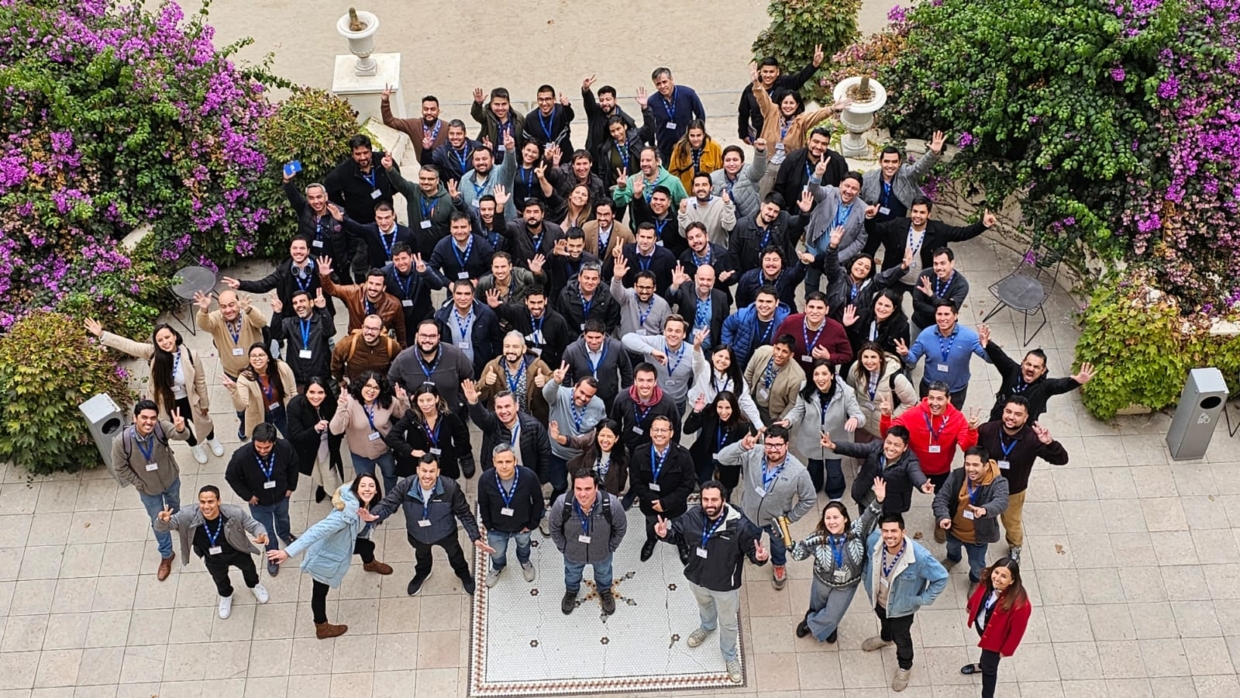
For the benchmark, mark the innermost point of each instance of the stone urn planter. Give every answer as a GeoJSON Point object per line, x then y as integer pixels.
{"type": "Point", "coordinates": [359, 28]}
{"type": "Point", "coordinates": [867, 96]}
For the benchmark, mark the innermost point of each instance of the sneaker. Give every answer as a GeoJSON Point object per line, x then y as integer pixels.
{"type": "Point", "coordinates": [697, 637]}
{"type": "Point", "coordinates": [940, 534]}
{"type": "Point", "coordinates": [216, 448]}
{"type": "Point", "coordinates": [260, 593]}
{"type": "Point", "coordinates": [200, 455]}
{"type": "Point", "coordinates": [835, 635]}
{"type": "Point", "coordinates": [225, 606]}
{"type": "Point", "coordinates": [545, 527]}
{"type": "Point", "coordinates": [569, 602]}
{"type": "Point", "coordinates": [874, 643]}
{"type": "Point", "coordinates": [468, 584]}
{"type": "Point", "coordinates": [241, 435]}
{"type": "Point", "coordinates": [734, 671]}
{"type": "Point", "coordinates": [802, 629]}
{"type": "Point", "coordinates": [608, 601]}
{"type": "Point", "coordinates": [415, 584]}
{"type": "Point", "coordinates": [273, 569]}
{"type": "Point", "coordinates": [780, 578]}
{"type": "Point", "coordinates": [1014, 553]}
{"type": "Point", "coordinates": [493, 577]}
{"type": "Point", "coordinates": [900, 682]}
{"type": "Point", "coordinates": [527, 571]}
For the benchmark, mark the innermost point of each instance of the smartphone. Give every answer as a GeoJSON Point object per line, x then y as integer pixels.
{"type": "Point", "coordinates": [292, 168]}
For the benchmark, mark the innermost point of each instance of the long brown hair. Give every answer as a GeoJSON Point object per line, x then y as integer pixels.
{"type": "Point", "coordinates": [821, 528]}
{"type": "Point", "coordinates": [683, 148]}
{"type": "Point", "coordinates": [1014, 596]}
{"type": "Point", "coordinates": [161, 371]}
{"type": "Point", "coordinates": [272, 374]}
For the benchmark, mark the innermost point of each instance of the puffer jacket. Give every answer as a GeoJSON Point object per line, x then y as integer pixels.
{"type": "Point", "coordinates": [902, 397]}
{"type": "Point", "coordinates": [740, 329]}
{"type": "Point", "coordinates": [991, 495]}
{"type": "Point", "coordinates": [809, 422]}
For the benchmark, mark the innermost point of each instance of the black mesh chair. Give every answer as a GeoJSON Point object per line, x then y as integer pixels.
{"type": "Point", "coordinates": [1026, 289]}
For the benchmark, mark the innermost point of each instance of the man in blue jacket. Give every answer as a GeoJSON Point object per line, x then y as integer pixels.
{"type": "Point", "coordinates": [431, 504]}
{"type": "Point", "coordinates": [754, 325]}
{"type": "Point", "coordinates": [901, 576]}
{"type": "Point", "coordinates": [673, 109]}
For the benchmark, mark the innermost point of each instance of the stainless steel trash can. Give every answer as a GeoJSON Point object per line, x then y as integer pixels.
{"type": "Point", "coordinates": [105, 419]}
{"type": "Point", "coordinates": [1200, 408]}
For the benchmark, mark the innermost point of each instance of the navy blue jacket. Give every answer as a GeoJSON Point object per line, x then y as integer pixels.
{"type": "Point", "coordinates": [485, 335]}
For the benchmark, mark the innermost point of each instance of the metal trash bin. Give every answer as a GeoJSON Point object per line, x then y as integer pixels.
{"type": "Point", "coordinates": [1201, 405]}
{"type": "Point", "coordinates": [105, 419]}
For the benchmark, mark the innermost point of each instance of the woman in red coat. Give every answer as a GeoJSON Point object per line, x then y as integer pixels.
{"type": "Point", "coordinates": [999, 609]}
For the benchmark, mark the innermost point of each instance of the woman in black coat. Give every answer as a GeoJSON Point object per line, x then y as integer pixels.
{"type": "Point", "coordinates": [883, 322]}
{"type": "Point", "coordinates": [318, 450]}
{"type": "Point", "coordinates": [721, 424]}
{"type": "Point", "coordinates": [430, 427]}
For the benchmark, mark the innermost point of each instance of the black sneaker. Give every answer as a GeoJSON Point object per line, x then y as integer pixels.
{"type": "Point", "coordinates": [468, 468]}
{"type": "Point", "coordinates": [647, 550]}
{"type": "Point", "coordinates": [569, 602]}
{"type": "Point", "coordinates": [415, 584]}
{"type": "Point", "coordinates": [468, 584]}
{"type": "Point", "coordinates": [835, 635]}
{"type": "Point", "coordinates": [802, 629]}
{"type": "Point", "coordinates": [609, 601]}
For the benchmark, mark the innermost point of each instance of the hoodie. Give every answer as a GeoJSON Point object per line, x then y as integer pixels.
{"type": "Point", "coordinates": [991, 493]}
{"type": "Point", "coordinates": [934, 450]}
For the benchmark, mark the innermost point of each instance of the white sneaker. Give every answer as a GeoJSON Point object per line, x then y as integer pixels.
{"type": "Point", "coordinates": [493, 577]}
{"type": "Point", "coordinates": [225, 606]}
{"type": "Point", "coordinates": [260, 593]}
{"type": "Point", "coordinates": [199, 454]}
{"type": "Point", "coordinates": [216, 447]}
{"type": "Point", "coordinates": [527, 571]}
{"type": "Point", "coordinates": [734, 671]}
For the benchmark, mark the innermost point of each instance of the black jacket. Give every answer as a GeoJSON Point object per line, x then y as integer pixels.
{"type": "Point", "coordinates": [445, 264]}
{"type": "Point", "coordinates": [667, 231]}
{"type": "Point", "coordinates": [719, 258]}
{"type": "Point", "coordinates": [1038, 393]}
{"type": "Point", "coordinates": [726, 549]}
{"type": "Point", "coordinates": [328, 236]}
{"type": "Point", "coordinates": [559, 270]}
{"type": "Point", "coordinates": [662, 263]}
{"type": "Point", "coordinates": [557, 129]}
{"type": "Point", "coordinates": [615, 371]}
{"type": "Point", "coordinates": [602, 307]}
{"type": "Point", "coordinates": [285, 283]}
{"type": "Point", "coordinates": [902, 476]}
{"type": "Point", "coordinates": [319, 363]}
{"type": "Point", "coordinates": [246, 477]}
{"type": "Point", "coordinates": [596, 121]}
{"type": "Point", "coordinates": [452, 163]}
{"type": "Point", "coordinates": [347, 187]}
{"type": "Point", "coordinates": [534, 443]}
{"type": "Point", "coordinates": [685, 299]}
{"type": "Point", "coordinates": [377, 244]}
{"type": "Point", "coordinates": [447, 504]}
{"type": "Point", "coordinates": [520, 244]}
{"type": "Point", "coordinates": [750, 119]}
{"type": "Point", "coordinates": [526, 502]}
{"type": "Point", "coordinates": [485, 336]}
{"type": "Point", "coordinates": [786, 285]}
{"type": "Point", "coordinates": [793, 178]}
{"type": "Point", "coordinates": [607, 161]}
{"type": "Point", "coordinates": [414, 294]}
{"type": "Point", "coordinates": [885, 333]}
{"type": "Point", "coordinates": [302, 417]}
{"type": "Point", "coordinates": [1016, 464]}
{"type": "Point", "coordinates": [636, 433]}
{"type": "Point", "coordinates": [554, 334]}
{"type": "Point", "coordinates": [675, 482]}
{"type": "Point", "coordinates": [451, 439]}
{"type": "Point", "coordinates": [893, 236]}
{"type": "Point", "coordinates": [955, 290]}
{"type": "Point", "coordinates": [749, 239]}
{"type": "Point", "coordinates": [706, 425]}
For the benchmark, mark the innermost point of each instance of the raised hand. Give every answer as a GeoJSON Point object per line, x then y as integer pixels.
{"type": "Point", "coordinates": [478, 95]}
{"type": "Point", "coordinates": [983, 335]}
{"type": "Point", "coordinates": [387, 92]}
{"type": "Point", "coordinates": [660, 527]}
{"type": "Point", "coordinates": [826, 441]}
{"type": "Point", "coordinates": [336, 211]}
{"type": "Point", "coordinates": [622, 179]}
{"type": "Point", "coordinates": [541, 170]}
{"type": "Point", "coordinates": [639, 185]}
{"type": "Point", "coordinates": [325, 266]}
{"type": "Point", "coordinates": [178, 421]}
{"type": "Point", "coordinates": [641, 97]}
{"type": "Point", "coordinates": [1044, 434]}
{"type": "Point", "coordinates": [850, 315]}
{"type": "Point", "coordinates": [700, 337]}
{"type": "Point", "coordinates": [871, 210]}
{"type": "Point", "coordinates": [700, 403]}
{"type": "Point", "coordinates": [807, 258]}
{"type": "Point", "coordinates": [851, 425]}
{"type": "Point", "coordinates": [536, 264]}
{"type": "Point", "coordinates": [554, 154]}
{"type": "Point", "coordinates": [510, 144]}
{"type": "Point", "coordinates": [540, 380]}
{"type": "Point", "coordinates": [837, 234]}
{"type": "Point", "coordinates": [228, 383]}
{"type": "Point", "coordinates": [563, 100]}
{"type": "Point", "coordinates": [419, 264]}
{"type": "Point", "coordinates": [166, 514]}
{"type": "Point", "coordinates": [93, 327]}
{"type": "Point", "coordinates": [727, 198]}
{"type": "Point", "coordinates": [748, 442]}
{"type": "Point", "coordinates": [586, 83]}
{"type": "Point", "coordinates": [901, 347]}
{"type": "Point", "coordinates": [806, 202]}
{"type": "Point", "coordinates": [343, 402]}
{"type": "Point", "coordinates": [884, 404]}
{"type": "Point", "coordinates": [232, 283]}
{"type": "Point", "coordinates": [276, 305]}
{"type": "Point", "coordinates": [1084, 375]}
{"type": "Point", "coordinates": [470, 391]}
{"type": "Point", "coordinates": [319, 301]}
{"type": "Point", "coordinates": [203, 301]}
{"type": "Point", "coordinates": [842, 104]}
{"type": "Point", "coordinates": [880, 488]}
{"type": "Point", "coordinates": [759, 145]}
{"type": "Point", "coordinates": [975, 418]}
{"type": "Point", "coordinates": [620, 267]}
{"type": "Point", "coordinates": [560, 373]}
{"type": "Point", "coordinates": [493, 298]}
{"type": "Point", "coordinates": [936, 142]}
{"type": "Point", "coordinates": [560, 248]}
{"type": "Point", "coordinates": [923, 285]}
{"type": "Point", "coordinates": [491, 377]}
{"type": "Point", "coordinates": [387, 161]}
{"type": "Point", "coordinates": [678, 275]}
{"type": "Point", "coordinates": [367, 515]}
{"type": "Point", "coordinates": [553, 431]}
{"type": "Point", "coordinates": [243, 302]}
{"type": "Point", "coordinates": [453, 191]}
{"type": "Point", "coordinates": [500, 192]}
{"type": "Point", "coordinates": [684, 205]}
{"type": "Point", "coordinates": [820, 169]}
{"type": "Point", "coordinates": [989, 220]}
{"type": "Point", "coordinates": [818, 55]}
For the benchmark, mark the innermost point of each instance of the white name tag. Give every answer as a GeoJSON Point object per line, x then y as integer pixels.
{"type": "Point", "coordinates": [317, 243]}
{"type": "Point", "coordinates": [935, 448]}
{"type": "Point", "coordinates": [671, 126]}
{"type": "Point", "coordinates": [465, 346]}
{"type": "Point", "coordinates": [968, 514]}
{"type": "Point", "coordinates": [462, 275]}
{"type": "Point", "coordinates": [884, 210]}
{"type": "Point", "coordinates": [238, 351]}
{"type": "Point", "coordinates": [638, 430]}
{"type": "Point", "coordinates": [1004, 465]}
{"type": "Point", "coordinates": [807, 358]}
{"type": "Point", "coordinates": [151, 467]}
{"type": "Point", "coordinates": [537, 350]}
{"type": "Point", "coordinates": [944, 368]}
{"type": "Point", "coordinates": [583, 539]}
{"type": "Point", "coordinates": [215, 550]}
{"type": "Point", "coordinates": [272, 406]}
{"type": "Point", "coordinates": [376, 194]}
{"type": "Point", "coordinates": [269, 485]}
{"type": "Point", "coordinates": [426, 225]}
{"type": "Point", "coordinates": [764, 394]}
{"type": "Point", "coordinates": [840, 576]}
{"type": "Point", "coordinates": [501, 148]}
{"type": "Point", "coordinates": [304, 354]}
{"type": "Point", "coordinates": [654, 487]}
{"type": "Point", "coordinates": [437, 451]}
{"type": "Point", "coordinates": [760, 490]}
{"type": "Point", "coordinates": [373, 436]}
{"type": "Point", "coordinates": [506, 511]}
{"type": "Point", "coordinates": [424, 522]}
{"type": "Point", "coordinates": [583, 327]}
{"type": "Point", "coordinates": [701, 552]}
{"type": "Point", "coordinates": [407, 303]}
{"type": "Point", "coordinates": [882, 581]}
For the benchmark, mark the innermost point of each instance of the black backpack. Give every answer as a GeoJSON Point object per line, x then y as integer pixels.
{"type": "Point", "coordinates": [568, 510]}
{"type": "Point", "coordinates": [891, 386]}
{"type": "Point", "coordinates": [127, 438]}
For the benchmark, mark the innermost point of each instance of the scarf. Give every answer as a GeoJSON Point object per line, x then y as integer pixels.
{"type": "Point", "coordinates": [655, 397]}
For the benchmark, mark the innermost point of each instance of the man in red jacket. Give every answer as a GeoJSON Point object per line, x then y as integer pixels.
{"type": "Point", "coordinates": [818, 336]}
{"type": "Point", "coordinates": [936, 428]}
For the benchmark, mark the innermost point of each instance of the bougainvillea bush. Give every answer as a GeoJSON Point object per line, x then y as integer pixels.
{"type": "Point", "coordinates": [115, 117]}
{"type": "Point", "coordinates": [1116, 122]}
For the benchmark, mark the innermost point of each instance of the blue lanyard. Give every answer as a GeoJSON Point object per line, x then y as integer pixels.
{"type": "Point", "coordinates": [641, 317]}
{"type": "Point", "coordinates": [305, 334]}
{"type": "Point", "coordinates": [697, 161]}
{"type": "Point", "coordinates": [433, 436]}
{"type": "Point", "coordinates": [213, 536]}
{"type": "Point", "coordinates": [527, 177]}
{"type": "Point", "coordinates": [622, 149]}
{"type": "Point", "coordinates": [370, 416]}
{"type": "Point", "coordinates": [701, 316]}
{"type": "Point", "coordinates": [403, 285]}
{"type": "Point", "coordinates": [644, 262]}
{"type": "Point", "coordinates": [578, 416]}
{"type": "Point", "coordinates": [297, 277]}
{"type": "Point", "coordinates": [886, 194]}
{"type": "Point", "coordinates": [536, 326]}
{"type": "Point", "coordinates": [765, 336]}
{"type": "Point", "coordinates": [946, 344]}
{"type": "Point", "coordinates": [766, 238]}
{"type": "Point", "coordinates": [842, 213]}
{"type": "Point", "coordinates": [671, 106]}
{"type": "Point", "coordinates": [769, 477]}
{"type": "Point", "coordinates": [236, 336]}
{"type": "Point", "coordinates": [659, 226]}
{"type": "Point", "coordinates": [894, 559]}
{"type": "Point", "coordinates": [720, 437]}
{"type": "Point", "coordinates": [940, 290]}
{"type": "Point", "coordinates": [513, 381]}
{"type": "Point", "coordinates": [582, 517]}
{"type": "Point", "coordinates": [934, 435]}
{"type": "Point", "coordinates": [387, 246]}
{"type": "Point", "coordinates": [783, 129]}
{"type": "Point", "coordinates": [601, 357]}
{"type": "Point", "coordinates": [809, 173]}
{"type": "Point", "coordinates": [479, 188]}
{"type": "Point", "coordinates": [680, 355]}
{"type": "Point", "coordinates": [435, 133]}
{"type": "Point", "coordinates": [372, 178]}
{"type": "Point", "coordinates": [516, 480]}
{"type": "Point", "coordinates": [429, 370]}
{"type": "Point", "coordinates": [547, 123]}
{"type": "Point", "coordinates": [707, 533]}
{"type": "Point", "coordinates": [1007, 449]}
{"type": "Point", "coordinates": [1019, 386]}
{"type": "Point", "coordinates": [426, 210]}
{"type": "Point", "coordinates": [639, 415]}
{"type": "Point", "coordinates": [515, 435]}
{"type": "Point", "coordinates": [768, 374]}
{"type": "Point", "coordinates": [269, 392]}
{"type": "Point", "coordinates": [370, 308]}
{"type": "Point", "coordinates": [585, 306]}
{"type": "Point", "coordinates": [973, 491]}
{"type": "Point", "coordinates": [822, 418]}
{"type": "Point", "coordinates": [702, 261]}
{"type": "Point", "coordinates": [176, 363]}
{"type": "Point", "coordinates": [809, 346]}
{"type": "Point", "coordinates": [463, 327]}
{"type": "Point", "coordinates": [463, 258]}
{"type": "Point", "coordinates": [146, 445]}
{"type": "Point", "coordinates": [269, 467]}
{"type": "Point", "coordinates": [657, 460]}
{"type": "Point", "coordinates": [462, 157]}
{"type": "Point", "coordinates": [837, 549]}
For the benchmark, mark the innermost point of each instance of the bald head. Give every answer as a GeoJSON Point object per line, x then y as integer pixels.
{"type": "Point", "coordinates": [229, 307]}
{"type": "Point", "coordinates": [704, 279]}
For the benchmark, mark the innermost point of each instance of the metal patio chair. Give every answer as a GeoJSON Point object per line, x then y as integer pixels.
{"type": "Point", "coordinates": [1028, 287]}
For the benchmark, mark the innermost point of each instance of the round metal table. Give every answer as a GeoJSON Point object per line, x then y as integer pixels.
{"type": "Point", "coordinates": [194, 280]}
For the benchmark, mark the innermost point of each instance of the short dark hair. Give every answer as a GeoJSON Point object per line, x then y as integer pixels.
{"type": "Point", "coordinates": [384, 205]}
{"type": "Point", "coordinates": [1017, 400]}
{"type": "Point", "coordinates": [500, 93]}
{"type": "Point", "coordinates": [456, 123]}
{"type": "Point", "coordinates": [534, 290]}
{"type": "Point", "coordinates": [431, 98]}
{"type": "Point", "coordinates": [922, 201]}
{"type": "Point", "coordinates": [774, 198]}
{"type": "Point", "coordinates": [820, 131]}
{"type": "Point", "coordinates": [305, 239]}
{"type": "Point", "coordinates": [939, 387]}
{"type": "Point", "coordinates": [979, 452]}
{"type": "Point", "coordinates": [429, 457]}
{"type": "Point", "coordinates": [659, 71]}
{"type": "Point", "coordinates": [771, 61]}
{"type": "Point", "coordinates": [645, 367]}
{"type": "Point", "coordinates": [662, 190]}
{"type": "Point", "coordinates": [662, 418]}
{"type": "Point", "coordinates": [607, 90]}
{"type": "Point", "coordinates": [595, 325]}
{"type": "Point", "coordinates": [458, 216]}
{"type": "Point", "coordinates": [715, 485]}
{"type": "Point", "coordinates": [574, 233]}
{"type": "Point", "coordinates": [648, 275]}
{"type": "Point", "coordinates": [430, 169]}
{"type": "Point", "coordinates": [376, 271]}
{"type": "Point", "coordinates": [264, 432]}
{"type": "Point", "coordinates": [888, 150]}
{"type": "Point", "coordinates": [581, 153]}
{"type": "Point", "coordinates": [779, 431]}
{"type": "Point", "coordinates": [853, 174]}
{"type": "Point", "coordinates": [733, 149]}
{"type": "Point", "coordinates": [951, 256]}
{"type": "Point", "coordinates": [143, 405]}
{"type": "Point", "coordinates": [401, 247]}
{"type": "Point", "coordinates": [900, 432]}
{"type": "Point", "coordinates": [531, 201]}
{"type": "Point", "coordinates": [702, 175]}
{"type": "Point", "coordinates": [605, 202]}
{"type": "Point", "coordinates": [894, 517]}
{"type": "Point", "coordinates": [584, 474]}
{"type": "Point", "coordinates": [767, 289]}
{"type": "Point", "coordinates": [545, 88]}
{"type": "Point", "coordinates": [817, 296]}
{"type": "Point", "coordinates": [788, 341]}
{"type": "Point", "coordinates": [1038, 353]}
{"type": "Point", "coordinates": [947, 302]}
{"type": "Point", "coordinates": [209, 488]}
{"type": "Point", "coordinates": [771, 249]}
{"type": "Point", "coordinates": [361, 140]}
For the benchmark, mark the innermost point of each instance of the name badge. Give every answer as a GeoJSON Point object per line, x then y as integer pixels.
{"type": "Point", "coordinates": [151, 467]}
{"type": "Point", "coordinates": [638, 430]}
{"type": "Point", "coordinates": [968, 514]}
{"type": "Point", "coordinates": [506, 511]}
{"type": "Point", "coordinates": [944, 368]}
{"type": "Point", "coordinates": [884, 210]}
{"type": "Point", "coordinates": [654, 487]}
{"type": "Point", "coordinates": [1004, 465]}
{"type": "Point", "coordinates": [935, 448]}
{"type": "Point", "coordinates": [407, 303]}
{"type": "Point", "coordinates": [317, 243]}
{"type": "Point", "coordinates": [215, 550]}
{"type": "Point", "coordinates": [424, 523]}
{"type": "Point", "coordinates": [464, 346]}
{"type": "Point", "coordinates": [437, 451]}
{"type": "Point", "coordinates": [583, 327]}
{"type": "Point", "coordinates": [760, 490]}
{"type": "Point", "coordinates": [269, 485]}
{"type": "Point", "coordinates": [764, 394]}
{"type": "Point", "coordinates": [867, 405]}
{"type": "Point", "coordinates": [673, 383]}
{"type": "Point", "coordinates": [426, 225]}
{"type": "Point", "coordinates": [583, 539]}
{"type": "Point", "coordinates": [373, 436]}
{"type": "Point", "coordinates": [807, 358]}
{"type": "Point", "coordinates": [501, 148]}
{"type": "Point", "coordinates": [474, 203]}
{"type": "Point", "coordinates": [304, 354]}
{"type": "Point", "coordinates": [840, 576]}
{"type": "Point", "coordinates": [238, 351]}
{"type": "Point", "coordinates": [462, 275]}
{"type": "Point", "coordinates": [272, 406]}
{"type": "Point", "coordinates": [882, 581]}
{"type": "Point", "coordinates": [701, 552]}
{"type": "Point", "coordinates": [671, 126]}
{"type": "Point", "coordinates": [537, 350]}
{"type": "Point", "coordinates": [376, 194]}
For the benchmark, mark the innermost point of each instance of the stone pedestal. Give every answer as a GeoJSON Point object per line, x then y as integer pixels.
{"type": "Point", "coordinates": [365, 93]}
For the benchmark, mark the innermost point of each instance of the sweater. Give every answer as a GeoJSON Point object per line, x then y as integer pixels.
{"type": "Point", "coordinates": [934, 451]}
{"type": "Point", "coordinates": [445, 372]}
{"type": "Point", "coordinates": [571, 420]}
{"type": "Point", "coordinates": [443, 508]}
{"type": "Point", "coordinates": [916, 580]}
{"type": "Point", "coordinates": [831, 336]}
{"type": "Point", "coordinates": [902, 475]}
{"type": "Point", "coordinates": [594, 542]}
{"type": "Point", "coordinates": [357, 426]}
{"type": "Point", "coordinates": [234, 351]}
{"type": "Point", "coordinates": [744, 188]}
{"type": "Point", "coordinates": [523, 498]}
{"type": "Point", "coordinates": [780, 394]}
{"type": "Point", "coordinates": [248, 396]}
{"type": "Point", "coordinates": [947, 358]}
{"type": "Point", "coordinates": [726, 547]}
{"type": "Point", "coordinates": [1004, 630]}
{"type": "Point", "coordinates": [791, 493]}
{"type": "Point", "coordinates": [809, 421]}
{"type": "Point", "coordinates": [246, 476]}
{"type": "Point", "coordinates": [623, 195]}
{"type": "Point", "coordinates": [990, 494]}
{"type": "Point", "coordinates": [1038, 393]}
{"type": "Point", "coordinates": [636, 317]}
{"type": "Point", "coordinates": [717, 214]}
{"type": "Point", "coordinates": [852, 545]}
{"type": "Point", "coordinates": [1016, 454]}
{"type": "Point", "coordinates": [148, 476]}
{"type": "Point", "coordinates": [675, 372]}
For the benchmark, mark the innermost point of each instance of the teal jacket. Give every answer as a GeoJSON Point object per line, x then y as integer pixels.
{"type": "Point", "coordinates": [917, 580]}
{"type": "Point", "coordinates": [623, 195]}
{"type": "Point", "coordinates": [328, 544]}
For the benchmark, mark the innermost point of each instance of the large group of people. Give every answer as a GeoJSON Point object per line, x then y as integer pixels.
{"type": "Point", "coordinates": [604, 303]}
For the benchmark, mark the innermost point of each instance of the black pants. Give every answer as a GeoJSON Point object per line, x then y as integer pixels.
{"type": "Point", "coordinates": [899, 631]}
{"type": "Point", "coordinates": [827, 476]}
{"type": "Point", "coordinates": [730, 476]}
{"type": "Point", "coordinates": [188, 413]}
{"type": "Point", "coordinates": [318, 599]}
{"type": "Point", "coordinates": [423, 560]}
{"type": "Point", "coordinates": [990, 673]}
{"type": "Point", "coordinates": [938, 480]}
{"type": "Point", "coordinates": [218, 566]}
{"type": "Point", "coordinates": [957, 398]}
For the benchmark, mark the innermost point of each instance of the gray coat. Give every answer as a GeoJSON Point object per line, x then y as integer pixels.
{"type": "Point", "coordinates": [993, 497]}
{"type": "Point", "coordinates": [792, 484]}
{"type": "Point", "coordinates": [808, 422]}
{"type": "Point", "coordinates": [133, 468]}
{"type": "Point", "coordinates": [604, 538]}
{"type": "Point", "coordinates": [186, 522]}
{"type": "Point", "coordinates": [745, 192]}
{"type": "Point", "coordinates": [822, 220]}
{"type": "Point", "coordinates": [905, 185]}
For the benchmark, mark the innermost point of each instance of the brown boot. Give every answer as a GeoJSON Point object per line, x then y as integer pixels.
{"type": "Point", "coordinates": [940, 535]}
{"type": "Point", "coordinates": [324, 631]}
{"type": "Point", "coordinates": [377, 567]}
{"type": "Point", "coordinates": [165, 567]}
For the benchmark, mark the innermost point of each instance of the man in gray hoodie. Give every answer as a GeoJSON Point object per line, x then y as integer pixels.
{"type": "Point", "coordinates": [587, 528]}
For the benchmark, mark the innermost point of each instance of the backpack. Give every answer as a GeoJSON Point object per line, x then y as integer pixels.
{"type": "Point", "coordinates": [127, 439]}
{"type": "Point", "coordinates": [356, 336]}
{"type": "Point", "coordinates": [891, 386]}
{"type": "Point", "coordinates": [568, 510]}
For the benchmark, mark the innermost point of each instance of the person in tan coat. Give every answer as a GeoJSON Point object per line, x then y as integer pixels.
{"type": "Point", "coordinates": [605, 227]}
{"type": "Point", "coordinates": [368, 299]}
{"type": "Point", "coordinates": [178, 381]}
{"type": "Point", "coordinates": [775, 378]}
{"type": "Point", "coordinates": [519, 372]}
{"type": "Point", "coordinates": [262, 390]}
{"type": "Point", "coordinates": [233, 327]}
{"type": "Point", "coordinates": [367, 349]}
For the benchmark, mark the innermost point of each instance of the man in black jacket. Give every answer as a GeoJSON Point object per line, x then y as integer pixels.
{"type": "Point", "coordinates": [893, 461]}
{"type": "Point", "coordinates": [596, 353]}
{"type": "Point", "coordinates": [307, 352]}
{"type": "Point", "coordinates": [636, 409]}
{"type": "Point", "coordinates": [315, 222]}
{"type": "Point", "coordinates": [662, 477]}
{"type": "Point", "coordinates": [511, 503]}
{"type": "Point", "coordinates": [703, 251]}
{"type": "Point", "coordinates": [531, 235]}
{"type": "Point", "coordinates": [380, 236]}
{"type": "Point", "coordinates": [797, 170]}
{"type": "Point", "coordinates": [749, 117]}
{"type": "Point", "coordinates": [358, 184]}
{"type": "Point", "coordinates": [264, 473]}
{"type": "Point", "coordinates": [719, 538]}
{"type": "Point", "coordinates": [583, 300]}
{"type": "Point", "coordinates": [456, 157]}
{"type": "Point", "coordinates": [550, 122]}
{"type": "Point", "coordinates": [406, 279]}
{"type": "Point", "coordinates": [940, 282]}
{"type": "Point", "coordinates": [508, 425]}
{"type": "Point", "coordinates": [546, 331]}
{"type": "Point", "coordinates": [645, 255]}
{"type": "Point", "coordinates": [600, 111]}
{"type": "Point", "coordinates": [432, 504]}
{"type": "Point", "coordinates": [1028, 378]}
{"type": "Point", "coordinates": [770, 226]}
{"type": "Point", "coordinates": [296, 273]}
{"type": "Point", "coordinates": [926, 236]}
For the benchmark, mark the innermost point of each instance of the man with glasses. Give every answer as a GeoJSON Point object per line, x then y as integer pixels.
{"type": "Point", "coordinates": [642, 311]}
{"type": "Point", "coordinates": [662, 476]}
{"type": "Point", "coordinates": [431, 361]}
{"type": "Point", "coordinates": [776, 489]}
{"type": "Point", "coordinates": [601, 356]}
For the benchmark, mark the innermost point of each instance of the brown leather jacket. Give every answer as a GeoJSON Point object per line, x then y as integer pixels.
{"type": "Point", "coordinates": [388, 308]}
{"type": "Point", "coordinates": [353, 356]}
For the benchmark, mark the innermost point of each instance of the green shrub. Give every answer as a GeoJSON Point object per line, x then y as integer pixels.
{"type": "Point", "coordinates": [47, 368]}
{"type": "Point", "coordinates": [799, 25]}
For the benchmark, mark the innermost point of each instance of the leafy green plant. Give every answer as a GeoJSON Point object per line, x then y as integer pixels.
{"type": "Point", "coordinates": [47, 368]}
{"type": "Point", "coordinates": [797, 26]}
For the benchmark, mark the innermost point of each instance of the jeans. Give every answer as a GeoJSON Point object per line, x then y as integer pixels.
{"type": "Point", "coordinates": [719, 609]}
{"type": "Point", "coordinates": [219, 571]}
{"type": "Point", "coordinates": [573, 573]}
{"type": "Point", "coordinates": [558, 471]}
{"type": "Point", "coordinates": [366, 466]}
{"type": "Point", "coordinates": [499, 541]}
{"type": "Point", "coordinates": [834, 485]}
{"type": "Point", "coordinates": [274, 518]}
{"type": "Point", "coordinates": [155, 503]}
{"type": "Point", "coordinates": [779, 556]}
{"type": "Point", "coordinates": [827, 605]}
{"type": "Point", "coordinates": [897, 630]}
{"type": "Point", "coordinates": [279, 418]}
{"type": "Point", "coordinates": [976, 552]}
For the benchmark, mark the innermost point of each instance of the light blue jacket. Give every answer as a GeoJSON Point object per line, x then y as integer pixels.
{"type": "Point", "coordinates": [328, 544]}
{"type": "Point", "coordinates": [917, 580]}
{"type": "Point", "coordinates": [961, 347]}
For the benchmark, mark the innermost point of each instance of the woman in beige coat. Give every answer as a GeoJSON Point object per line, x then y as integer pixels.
{"type": "Point", "coordinates": [365, 415]}
{"type": "Point", "coordinates": [873, 375]}
{"type": "Point", "coordinates": [262, 390]}
{"type": "Point", "coordinates": [786, 124]}
{"type": "Point", "coordinates": [178, 381]}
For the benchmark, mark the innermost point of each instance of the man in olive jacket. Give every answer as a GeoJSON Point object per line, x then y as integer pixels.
{"type": "Point", "coordinates": [141, 457]}
{"type": "Point", "coordinates": [968, 508]}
